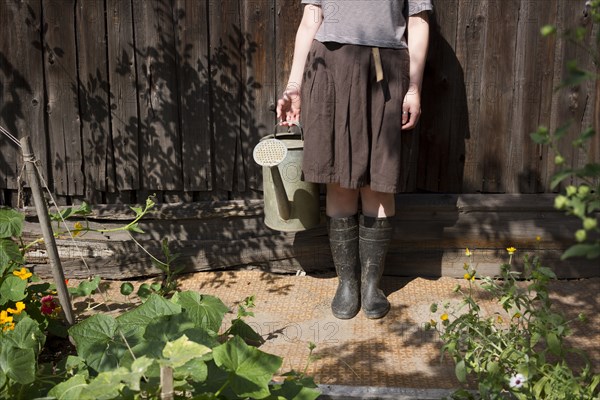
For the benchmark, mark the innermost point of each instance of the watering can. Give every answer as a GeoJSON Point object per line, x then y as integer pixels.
{"type": "Point", "coordinates": [291, 204]}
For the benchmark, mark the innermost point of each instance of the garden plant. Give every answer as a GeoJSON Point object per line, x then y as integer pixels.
{"type": "Point", "coordinates": [178, 333]}
{"type": "Point", "coordinates": [524, 353]}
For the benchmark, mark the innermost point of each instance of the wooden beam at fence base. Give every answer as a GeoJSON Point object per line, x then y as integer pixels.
{"type": "Point", "coordinates": [430, 237]}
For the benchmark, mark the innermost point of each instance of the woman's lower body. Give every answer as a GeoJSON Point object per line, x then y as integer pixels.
{"type": "Point", "coordinates": [352, 126]}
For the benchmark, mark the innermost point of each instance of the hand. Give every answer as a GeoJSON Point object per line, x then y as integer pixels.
{"type": "Point", "coordinates": [288, 107]}
{"type": "Point", "coordinates": [411, 108]}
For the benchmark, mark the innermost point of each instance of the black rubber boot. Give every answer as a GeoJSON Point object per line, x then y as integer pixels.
{"type": "Point", "coordinates": [375, 236]}
{"type": "Point", "coordinates": [343, 238]}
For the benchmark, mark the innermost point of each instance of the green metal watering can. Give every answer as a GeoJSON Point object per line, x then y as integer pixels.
{"type": "Point", "coordinates": [291, 204]}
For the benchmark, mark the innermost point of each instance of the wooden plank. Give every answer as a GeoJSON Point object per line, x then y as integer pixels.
{"type": "Point", "coordinates": [94, 107]}
{"type": "Point", "coordinates": [287, 19]}
{"type": "Point", "coordinates": [405, 203]}
{"type": "Point", "coordinates": [470, 44]}
{"type": "Point", "coordinates": [533, 72]}
{"type": "Point", "coordinates": [258, 76]}
{"type": "Point", "coordinates": [226, 41]}
{"type": "Point", "coordinates": [64, 126]}
{"type": "Point", "coordinates": [124, 167]}
{"type": "Point", "coordinates": [160, 144]}
{"type": "Point", "coordinates": [498, 82]}
{"type": "Point", "coordinates": [21, 88]}
{"type": "Point", "coordinates": [121, 260]}
{"type": "Point", "coordinates": [430, 235]}
{"type": "Point", "coordinates": [443, 125]}
{"type": "Point", "coordinates": [570, 103]}
{"type": "Point", "coordinates": [121, 197]}
{"type": "Point", "coordinates": [193, 78]}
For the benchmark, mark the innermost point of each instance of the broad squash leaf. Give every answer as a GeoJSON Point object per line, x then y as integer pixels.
{"type": "Point", "coordinates": [250, 369]}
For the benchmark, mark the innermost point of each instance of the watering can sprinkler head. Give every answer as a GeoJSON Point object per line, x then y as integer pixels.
{"type": "Point", "coordinates": [270, 153]}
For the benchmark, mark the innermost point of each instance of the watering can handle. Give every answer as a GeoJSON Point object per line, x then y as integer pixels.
{"type": "Point", "coordinates": [292, 124]}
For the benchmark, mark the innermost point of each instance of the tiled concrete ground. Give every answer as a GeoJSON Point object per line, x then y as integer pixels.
{"type": "Point", "coordinates": [395, 351]}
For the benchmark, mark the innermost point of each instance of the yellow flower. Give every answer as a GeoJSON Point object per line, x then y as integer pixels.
{"type": "Point", "coordinates": [511, 250]}
{"type": "Point", "coordinates": [468, 252]}
{"type": "Point", "coordinates": [20, 307]}
{"type": "Point", "coordinates": [444, 317]}
{"type": "Point", "coordinates": [77, 228]}
{"type": "Point", "coordinates": [6, 322]}
{"type": "Point", "coordinates": [473, 277]}
{"type": "Point", "coordinates": [538, 238]}
{"type": "Point", "coordinates": [23, 273]}
{"type": "Point", "coordinates": [499, 319]}
{"type": "Point", "coordinates": [517, 315]}
{"type": "Point", "coordinates": [467, 276]}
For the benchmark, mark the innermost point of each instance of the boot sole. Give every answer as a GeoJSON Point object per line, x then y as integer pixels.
{"type": "Point", "coordinates": [345, 316]}
{"type": "Point", "coordinates": [376, 314]}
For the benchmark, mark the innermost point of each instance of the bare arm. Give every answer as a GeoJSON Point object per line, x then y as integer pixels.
{"type": "Point", "coordinates": [288, 106]}
{"type": "Point", "coordinates": [418, 40]}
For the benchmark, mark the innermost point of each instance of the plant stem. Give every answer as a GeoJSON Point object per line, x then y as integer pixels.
{"type": "Point", "coordinates": [218, 393]}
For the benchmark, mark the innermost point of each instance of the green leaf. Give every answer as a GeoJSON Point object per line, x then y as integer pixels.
{"type": "Point", "coordinates": [18, 364]}
{"type": "Point", "coordinates": [575, 75]}
{"type": "Point", "coordinates": [560, 176]}
{"type": "Point", "coordinates": [206, 311]}
{"type": "Point", "coordinates": [11, 223]}
{"type": "Point", "coordinates": [548, 30]}
{"type": "Point", "coordinates": [182, 350]}
{"type": "Point", "coordinates": [12, 289]}
{"type": "Point", "coordinates": [134, 322]}
{"type": "Point", "coordinates": [27, 335]}
{"type": "Point", "coordinates": [590, 170]}
{"type": "Point", "coordinates": [86, 288]}
{"type": "Point", "coordinates": [138, 368]}
{"type": "Point", "coordinates": [135, 228]}
{"type": "Point", "coordinates": [70, 389]}
{"type": "Point", "coordinates": [250, 369]}
{"type": "Point", "coordinates": [295, 390]}
{"type": "Point", "coordinates": [461, 371]}
{"type": "Point", "coordinates": [9, 251]}
{"type": "Point", "coordinates": [144, 291]}
{"type": "Point", "coordinates": [107, 385]}
{"type": "Point", "coordinates": [138, 210]}
{"type": "Point", "coordinates": [84, 209]}
{"type": "Point", "coordinates": [126, 288]}
{"type": "Point", "coordinates": [553, 343]}
{"type": "Point", "coordinates": [582, 250]}
{"type": "Point", "coordinates": [245, 331]}
{"type": "Point", "coordinates": [2, 379]}
{"type": "Point", "coordinates": [194, 369]}
{"type": "Point", "coordinates": [540, 137]}
{"type": "Point", "coordinates": [95, 338]}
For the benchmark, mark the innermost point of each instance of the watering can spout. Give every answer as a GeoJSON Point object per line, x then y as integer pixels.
{"type": "Point", "coordinates": [281, 197]}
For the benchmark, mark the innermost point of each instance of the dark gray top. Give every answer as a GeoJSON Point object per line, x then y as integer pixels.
{"type": "Point", "coordinates": [376, 23]}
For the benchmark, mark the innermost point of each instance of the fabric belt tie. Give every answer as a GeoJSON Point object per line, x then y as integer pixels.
{"type": "Point", "coordinates": [377, 60]}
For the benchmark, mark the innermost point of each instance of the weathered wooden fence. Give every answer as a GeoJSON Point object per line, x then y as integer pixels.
{"type": "Point", "coordinates": [127, 97]}
{"type": "Point", "coordinates": [124, 98]}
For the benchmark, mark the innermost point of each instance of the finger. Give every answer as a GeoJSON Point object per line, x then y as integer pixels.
{"type": "Point", "coordinates": [405, 117]}
{"type": "Point", "coordinates": [412, 122]}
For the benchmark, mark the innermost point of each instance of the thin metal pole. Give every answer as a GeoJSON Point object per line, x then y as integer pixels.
{"type": "Point", "coordinates": [44, 219]}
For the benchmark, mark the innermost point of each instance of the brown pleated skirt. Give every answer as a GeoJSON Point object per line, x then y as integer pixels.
{"type": "Point", "coordinates": [352, 123]}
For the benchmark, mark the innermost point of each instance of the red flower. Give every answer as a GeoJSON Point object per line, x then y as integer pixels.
{"type": "Point", "coordinates": [48, 305]}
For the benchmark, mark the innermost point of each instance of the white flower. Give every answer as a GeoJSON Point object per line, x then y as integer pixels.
{"type": "Point", "coordinates": [517, 381]}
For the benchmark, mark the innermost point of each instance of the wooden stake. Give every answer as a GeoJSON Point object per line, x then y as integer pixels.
{"type": "Point", "coordinates": [46, 227]}
{"type": "Point", "coordinates": [166, 383]}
